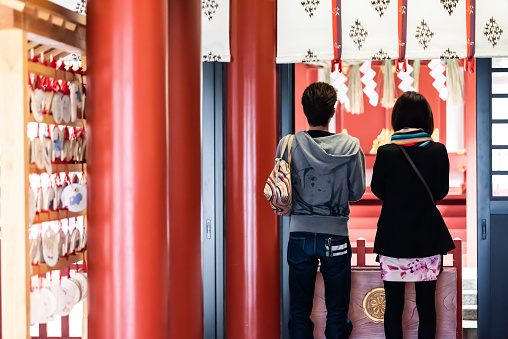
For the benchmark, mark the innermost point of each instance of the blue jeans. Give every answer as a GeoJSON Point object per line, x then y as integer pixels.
{"type": "Point", "coordinates": [304, 250]}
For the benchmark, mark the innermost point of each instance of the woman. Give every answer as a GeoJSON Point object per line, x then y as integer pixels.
{"type": "Point", "coordinates": [411, 235]}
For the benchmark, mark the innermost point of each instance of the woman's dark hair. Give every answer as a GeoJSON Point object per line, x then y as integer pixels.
{"type": "Point", "coordinates": [318, 101]}
{"type": "Point", "coordinates": [412, 110]}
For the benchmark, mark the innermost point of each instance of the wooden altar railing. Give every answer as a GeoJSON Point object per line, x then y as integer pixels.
{"type": "Point", "coordinates": [361, 250]}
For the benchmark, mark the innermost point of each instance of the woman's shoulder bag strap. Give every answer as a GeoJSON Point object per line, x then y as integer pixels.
{"type": "Point", "coordinates": [419, 174]}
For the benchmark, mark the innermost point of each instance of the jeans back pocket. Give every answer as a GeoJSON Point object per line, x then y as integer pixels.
{"type": "Point", "coordinates": [296, 250]}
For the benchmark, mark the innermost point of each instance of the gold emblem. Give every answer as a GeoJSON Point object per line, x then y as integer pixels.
{"type": "Point", "coordinates": [374, 305]}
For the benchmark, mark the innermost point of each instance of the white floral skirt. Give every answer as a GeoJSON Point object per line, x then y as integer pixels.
{"type": "Point", "coordinates": [414, 269]}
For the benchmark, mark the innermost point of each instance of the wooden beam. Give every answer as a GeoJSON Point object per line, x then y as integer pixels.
{"type": "Point", "coordinates": [57, 215]}
{"type": "Point", "coordinates": [14, 182]}
{"type": "Point", "coordinates": [6, 16]}
{"type": "Point", "coordinates": [53, 43]}
{"type": "Point", "coordinates": [62, 263]}
{"type": "Point", "coordinates": [15, 4]}
{"type": "Point", "coordinates": [47, 71]}
{"type": "Point", "coordinates": [56, 10]}
{"type": "Point", "coordinates": [31, 44]}
{"type": "Point", "coordinates": [33, 24]}
{"type": "Point", "coordinates": [42, 49]}
{"type": "Point", "coordinates": [58, 168]}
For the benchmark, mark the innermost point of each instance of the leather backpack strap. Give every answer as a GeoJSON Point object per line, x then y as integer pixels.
{"type": "Point", "coordinates": [419, 174]}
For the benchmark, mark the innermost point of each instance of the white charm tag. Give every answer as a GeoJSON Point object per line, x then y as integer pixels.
{"type": "Point", "coordinates": [50, 247]}
{"type": "Point", "coordinates": [74, 197]}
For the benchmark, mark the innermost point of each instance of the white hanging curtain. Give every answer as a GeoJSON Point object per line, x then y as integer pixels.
{"type": "Point", "coordinates": [369, 29]}
{"type": "Point", "coordinates": [304, 31]}
{"type": "Point", "coordinates": [491, 28]}
{"type": "Point", "coordinates": [215, 30]}
{"type": "Point", "coordinates": [436, 29]}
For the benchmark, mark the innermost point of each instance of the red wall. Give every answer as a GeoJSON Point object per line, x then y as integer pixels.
{"type": "Point", "coordinates": [304, 76]}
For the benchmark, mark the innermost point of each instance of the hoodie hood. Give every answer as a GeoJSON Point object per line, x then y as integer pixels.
{"type": "Point", "coordinates": [327, 154]}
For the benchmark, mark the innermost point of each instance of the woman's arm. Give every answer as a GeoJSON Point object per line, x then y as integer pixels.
{"type": "Point", "coordinates": [443, 171]}
{"type": "Point", "coordinates": [356, 179]}
{"type": "Point", "coordinates": [377, 184]}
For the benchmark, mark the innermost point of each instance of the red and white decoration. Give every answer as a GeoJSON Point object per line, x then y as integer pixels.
{"type": "Point", "coordinates": [304, 31]}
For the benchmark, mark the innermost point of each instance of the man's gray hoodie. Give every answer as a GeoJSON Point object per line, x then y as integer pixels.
{"type": "Point", "coordinates": [326, 174]}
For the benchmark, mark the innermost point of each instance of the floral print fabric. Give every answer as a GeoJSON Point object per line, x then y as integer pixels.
{"type": "Point", "coordinates": [414, 269]}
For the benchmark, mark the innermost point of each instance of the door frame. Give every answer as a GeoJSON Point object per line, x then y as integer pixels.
{"type": "Point", "coordinates": [491, 323]}
{"type": "Point", "coordinates": [286, 103]}
{"type": "Point", "coordinates": [483, 161]}
{"type": "Point", "coordinates": [213, 245]}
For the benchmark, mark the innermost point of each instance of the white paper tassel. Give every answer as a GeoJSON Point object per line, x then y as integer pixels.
{"type": "Point", "coordinates": [455, 82]}
{"type": "Point", "coordinates": [355, 92]}
{"type": "Point", "coordinates": [338, 80]}
{"type": "Point", "coordinates": [436, 72]}
{"type": "Point", "coordinates": [388, 99]}
{"type": "Point", "coordinates": [368, 80]}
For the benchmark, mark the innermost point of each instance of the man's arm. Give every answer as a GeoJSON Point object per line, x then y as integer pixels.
{"type": "Point", "coordinates": [356, 179]}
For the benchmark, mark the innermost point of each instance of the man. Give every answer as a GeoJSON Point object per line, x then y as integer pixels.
{"type": "Point", "coordinates": [327, 172]}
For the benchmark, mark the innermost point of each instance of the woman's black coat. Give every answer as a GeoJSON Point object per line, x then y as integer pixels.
{"type": "Point", "coordinates": [410, 226]}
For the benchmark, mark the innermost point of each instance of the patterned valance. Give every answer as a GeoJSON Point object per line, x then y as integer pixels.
{"type": "Point", "coordinates": [436, 29]}
{"type": "Point", "coordinates": [491, 28]}
{"type": "Point", "coordinates": [369, 30]}
{"type": "Point", "coordinates": [215, 30]}
{"type": "Point", "coordinates": [304, 31]}
{"type": "Point", "coordinates": [311, 30]}
{"type": "Point", "coordinates": [214, 26]}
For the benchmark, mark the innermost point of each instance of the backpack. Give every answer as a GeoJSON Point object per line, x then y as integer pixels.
{"type": "Point", "coordinates": [278, 185]}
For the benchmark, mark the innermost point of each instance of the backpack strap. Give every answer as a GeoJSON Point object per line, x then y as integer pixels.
{"type": "Point", "coordinates": [284, 144]}
{"type": "Point", "coordinates": [289, 148]}
{"type": "Point", "coordinates": [288, 141]}
{"type": "Point", "coordinates": [419, 175]}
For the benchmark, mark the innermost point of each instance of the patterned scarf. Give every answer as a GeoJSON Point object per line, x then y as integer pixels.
{"type": "Point", "coordinates": [411, 137]}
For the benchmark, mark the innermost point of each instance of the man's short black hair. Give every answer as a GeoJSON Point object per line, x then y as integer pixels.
{"type": "Point", "coordinates": [412, 110]}
{"type": "Point", "coordinates": [318, 101]}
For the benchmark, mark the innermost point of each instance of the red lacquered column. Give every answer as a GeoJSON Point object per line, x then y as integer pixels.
{"type": "Point", "coordinates": [127, 169]}
{"type": "Point", "coordinates": [252, 234]}
{"type": "Point", "coordinates": [186, 287]}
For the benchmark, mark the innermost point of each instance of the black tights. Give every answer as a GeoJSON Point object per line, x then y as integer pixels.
{"type": "Point", "coordinates": [425, 304]}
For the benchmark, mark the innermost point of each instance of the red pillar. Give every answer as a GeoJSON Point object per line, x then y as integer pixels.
{"type": "Point", "coordinates": [127, 171]}
{"type": "Point", "coordinates": [252, 234]}
{"type": "Point", "coordinates": [186, 287]}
